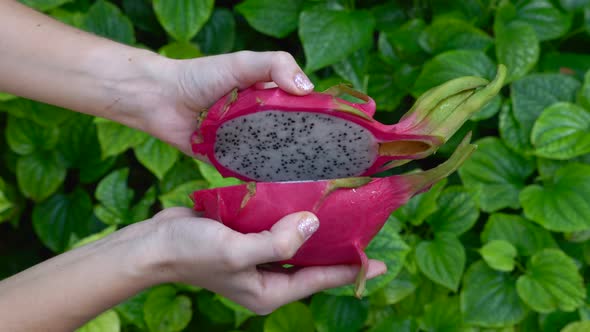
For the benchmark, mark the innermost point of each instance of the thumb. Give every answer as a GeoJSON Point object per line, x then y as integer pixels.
{"type": "Point", "coordinates": [281, 242]}
{"type": "Point", "coordinates": [279, 67]}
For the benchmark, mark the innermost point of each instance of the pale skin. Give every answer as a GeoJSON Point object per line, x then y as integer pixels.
{"type": "Point", "coordinates": [44, 60]}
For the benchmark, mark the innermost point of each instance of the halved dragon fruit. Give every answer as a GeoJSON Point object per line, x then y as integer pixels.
{"type": "Point", "coordinates": [316, 153]}
{"type": "Point", "coordinates": [351, 210]}
{"type": "Point", "coordinates": [270, 135]}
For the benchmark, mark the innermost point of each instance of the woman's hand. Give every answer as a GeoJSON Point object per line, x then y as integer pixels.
{"type": "Point", "coordinates": [206, 253]}
{"type": "Point", "coordinates": [187, 87]}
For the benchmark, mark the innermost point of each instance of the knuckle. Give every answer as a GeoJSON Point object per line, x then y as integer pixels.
{"type": "Point", "coordinates": [231, 261]}
{"type": "Point", "coordinates": [283, 57]}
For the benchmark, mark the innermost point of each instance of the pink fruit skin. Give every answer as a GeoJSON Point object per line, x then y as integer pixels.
{"type": "Point", "coordinates": [349, 218]}
{"type": "Point", "coordinates": [254, 100]}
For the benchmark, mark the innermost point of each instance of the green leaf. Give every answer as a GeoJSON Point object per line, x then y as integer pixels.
{"type": "Point", "coordinates": [517, 47]}
{"type": "Point", "coordinates": [166, 311]}
{"type": "Point", "coordinates": [405, 41]}
{"type": "Point", "coordinates": [274, 18]}
{"type": "Point", "coordinates": [323, 32]}
{"type": "Point", "coordinates": [141, 13]}
{"type": "Point", "coordinates": [25, 136]}
{"type": "Point", "coordinates": [499, 255]}
{"type": "Point", "coordinates": [420, 206]}
{"type": "Point", "coordinates": [533, 93]}
{"type": "Point", "coordinates": [396, 290]}
{"type": "Point", "coordinates": [443, 314]}
{"type": "Point", "coordinates": [549, 22]}
{"type": "Point", "coordinates": [180, 50]}
{"type": "Point", "coordinates": [157, 156]}
{"type": "Point", "coordinates": [513, 134]}
{"type": "Point", "coordinates": [141, 210]}
{"type": "Point", "coordinates": [44, 5]}
{"type": "Point", "coordinates": [442, 260]}
{"type": "Point", "coordinates": [6, 97]}
{"type": "Point", "coordinates": [42, 114]}
{"type": "Point", "coordinates": [446, 34]}
{"type": "Point", "coordinates": [183, 171]}
{"type": "Point", "coordinates": [75, 19]}
{"type": "Point", "coordinates": [40, 174]}
{"type": "Point", "coordinates": [577, 326]}
{"type": "Point", "coordinates": [213, 177]}
{"type": "Point", "coordinates": [562, 131]}
{"type": "Point", "coordinates": [453, 64]}
{"type": "Point", "coordinates": [115, 198]}
{"type": "Point", "coordinates": [354, 69]}
{"type": "Point", "coordinates": [396, 324]}
{"type": "Point", "coordinates": [388, 16]}
{"type": "Point", "coordinates": [338, 313]}
{"type": "Point", "coordinates": [78, 143]}
{"type": "Point", "coordinates": [58, 218]}
{"type": "Point", "coordinates": [489, 298]}
{"type": "Point", "coordinates": [218, 34]}
{"type": "Point", "coordinates": [388, 247]}
{"type": "Point", "coordinates": [210, 306]}
{"type": "Point", "coordinates": [182, 19]}
{"type": "Point", "coordinates": [527, 237]}
{"type": "Point", "coordinates": [457, 213]}
{"type": "Point", "coordinates": [551, 282]}
{"type": "Point", "coordinates": [495, 175]}
{"type": "Point", "coordinates": [241, 314]}
{"type": "Point", "coordinates": [94, 237]}
{"type": "Point", "coordinates": [584, 93]}
{"type": "Point", "coordinates": [115, 138]}
{"type": "Point", "coordinates": [108, 321]}
{"type": "Point", "coordinates": [293, 317]}
{"type": "Point", "coordinates": [10, 202]}
{"type": "Point", "coordinates": [179, 196]}
{"type": "Point", "coordinates": [107, 20]}
{"type": "Point", "coordinates": [573, 5]}
{"type": "Point", "coordinates": [131, 310]}
{"type": "Point", "coordinates": [489, 110]}
{"type": "Point", "coordinates": [561, 204]}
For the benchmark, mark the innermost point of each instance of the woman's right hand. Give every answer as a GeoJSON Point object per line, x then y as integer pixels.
{"type": "Point", "coordinates": [206, 253]}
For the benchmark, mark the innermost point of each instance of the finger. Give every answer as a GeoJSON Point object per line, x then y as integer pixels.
{"type": "Point", "coordinates": [285, 288]}
{"type": "Point", "coordinates": [176, 212]}
{"type": "Point", "coordinates": [250, 68]}
{"type": "Point", "coordinates": [280, 243]}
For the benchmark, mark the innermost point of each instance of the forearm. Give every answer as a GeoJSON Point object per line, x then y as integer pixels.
{"type": "Point", "coordinates": [45, 60]}
{"type": "Point", "coordinates": [64, 292]}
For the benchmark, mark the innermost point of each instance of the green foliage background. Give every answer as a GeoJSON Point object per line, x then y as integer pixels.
{"type": "Point", "coordinates": [501, 246]}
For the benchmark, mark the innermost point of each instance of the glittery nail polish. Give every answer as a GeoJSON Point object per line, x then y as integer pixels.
{"type": "Point", "coordinates": [308, 225]}
{"type": "Point", "coordinates": [302, 82]}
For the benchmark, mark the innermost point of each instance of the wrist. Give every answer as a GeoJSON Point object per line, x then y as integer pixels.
{"type": "Point", "coordinates": [133, 82]}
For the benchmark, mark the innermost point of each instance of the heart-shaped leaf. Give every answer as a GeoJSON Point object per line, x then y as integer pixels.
{"type": "Point", "coordinates": [115, 138]}
{"type": "Point", "coordinates": [561, 204]}
{"type": "Point", "coordinates": [25, 136]}
{"type": "Point", "coordinates": [442, 260]}
{"type": "Point", "coordinates": [323, 32]}
{"type": "Point", "coordinates": [446, 34]}
{"type": "Point", "coordinates": [496, 174]}
{"type": "Point", "coordinates": [517, 47]}
{"type": "Point", "coordinates": [453, 64]}
{"type": "Point", "coordinates": [105, 19]}
{"type": "Point", "coordinates": [499, 255]}
{"type": "Point", "coordinates": [274, 18]}
{"type": "Point", "coordinates": [218, 34]}
{"type": "Point", "coordinates": [527, 237]}
{"type": "Point", "coordinates": [182, 19]}
{"type": "Point", "coordinates": [551, 282]}
{"type": "Point", "coordinates": [108, 321]}
{"type": "Point", "coordinates": [166, 311]}
{"type": "Point", "coordinates": [338, 313]}
{"type": "Point", "coordinates": [548, 21]}
{"type": "Point", "coordinates": [489, 298]}
{"type": "Point", "coordinates": [457, 213]}
{"type": "Point", "coordinates": [443, 314]}
{"type": "Point", "coordinates": [562, 132]}
{"type": "Point", "coordinates": [40, 174]}
{"type": "Point", "coordinates": [61, 216]}
{"type": "Point", "coordinates": [156, 156]}
{"type": "Point", "coordinates": [293, 317]}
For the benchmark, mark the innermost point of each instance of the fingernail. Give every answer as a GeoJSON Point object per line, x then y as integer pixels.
{"type": "Point", "coordinates": [308, 225]}
{"type": "Point", "coordinates": [302, 82]}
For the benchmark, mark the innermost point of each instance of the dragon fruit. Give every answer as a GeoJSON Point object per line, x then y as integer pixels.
{"type": "Point", "coordinates": [269, 135]}
{"type": "Point", "coordinates": [237, 134]}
